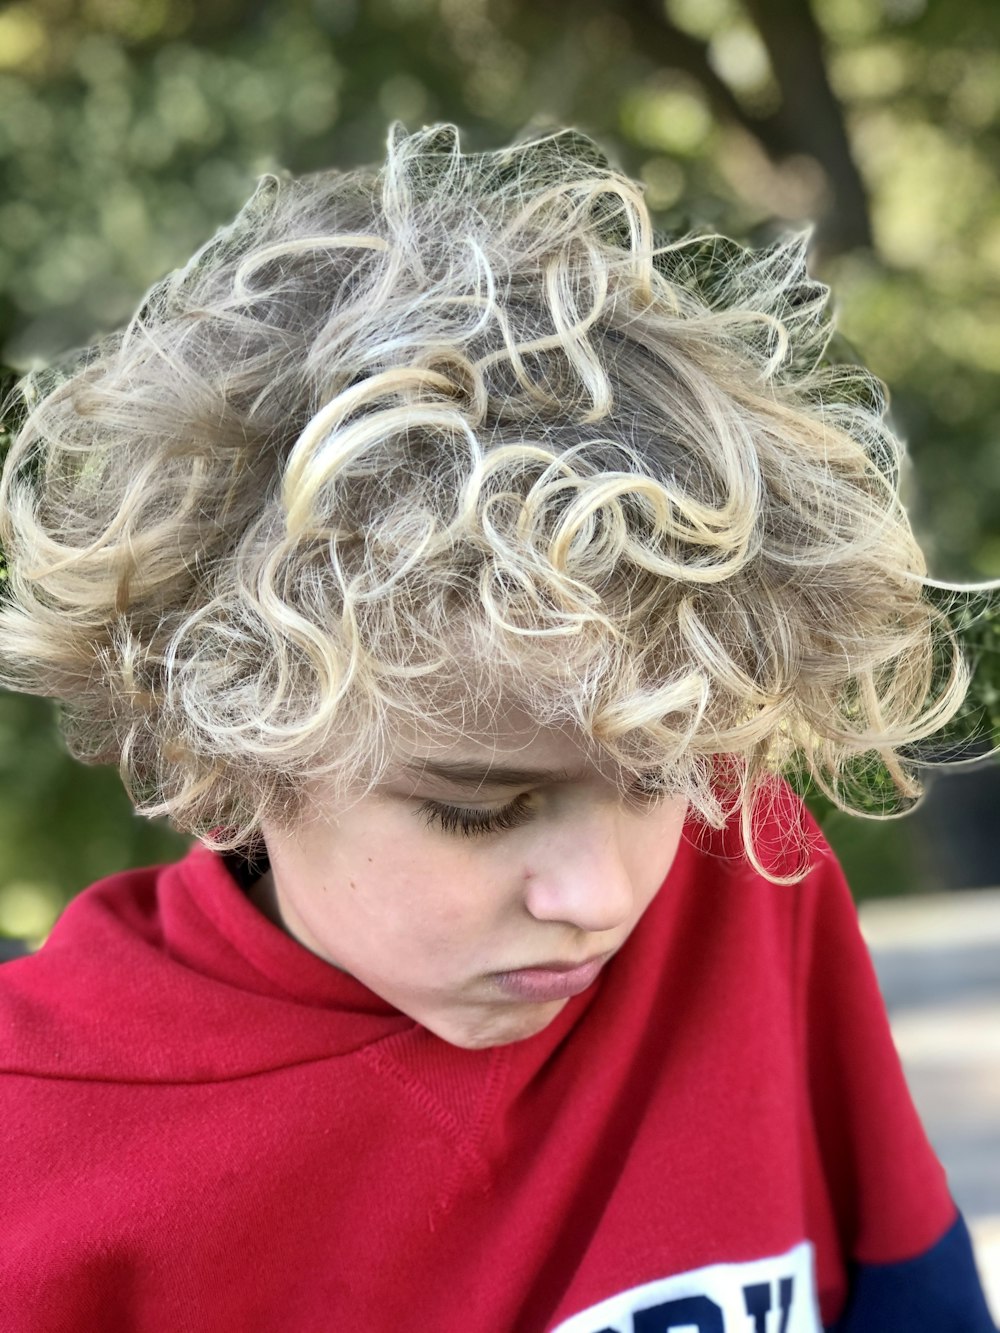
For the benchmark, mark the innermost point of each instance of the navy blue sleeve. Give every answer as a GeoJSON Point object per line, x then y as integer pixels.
{"type": "Point", "coordinates": [936, 1292]}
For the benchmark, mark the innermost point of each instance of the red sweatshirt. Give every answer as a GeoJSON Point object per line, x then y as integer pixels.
{"type": "Point", "coordinates": [206, 1127]}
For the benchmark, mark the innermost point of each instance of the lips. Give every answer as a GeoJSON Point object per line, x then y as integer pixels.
{"type": "Point", "coordinates": [551, 981]}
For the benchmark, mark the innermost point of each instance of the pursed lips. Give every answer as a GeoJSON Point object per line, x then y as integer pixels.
{"type": "Point", "coordinates": [553, 981]}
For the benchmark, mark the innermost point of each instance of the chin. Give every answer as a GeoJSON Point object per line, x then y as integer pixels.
{"type": "Point", "coordinates": [497, 1029]}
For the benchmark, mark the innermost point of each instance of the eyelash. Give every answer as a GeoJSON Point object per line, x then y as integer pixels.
{"type": "Point", "coordinates": [471, 823]}
{"type": "Point", "coordinates": [453, 819]}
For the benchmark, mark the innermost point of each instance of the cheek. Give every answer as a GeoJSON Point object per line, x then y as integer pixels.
{"type": "Point", "coordinates": [652, 847]}
{"type": "Point", "coordinates": [435, 890]}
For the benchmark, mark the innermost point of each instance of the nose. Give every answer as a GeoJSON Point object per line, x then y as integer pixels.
{"type": "Point", "coordinates": [584, 880]}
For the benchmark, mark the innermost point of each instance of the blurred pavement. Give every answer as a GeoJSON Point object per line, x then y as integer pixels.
{"type": "Point", "coordinates": [938, 961]}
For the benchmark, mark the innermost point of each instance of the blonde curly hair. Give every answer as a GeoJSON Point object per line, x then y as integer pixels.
{"type": "Point", "coordinates": [462, 425]}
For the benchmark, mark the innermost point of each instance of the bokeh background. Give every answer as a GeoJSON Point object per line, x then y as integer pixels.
{"type": "Point", "coordinates": [130, 129]}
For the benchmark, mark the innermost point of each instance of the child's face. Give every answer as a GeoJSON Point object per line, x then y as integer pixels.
{"type": "Point", "coordinates": [441, 924]}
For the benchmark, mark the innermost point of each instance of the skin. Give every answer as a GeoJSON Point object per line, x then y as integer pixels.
{"type": "Point", "coordinates": [426, 916]}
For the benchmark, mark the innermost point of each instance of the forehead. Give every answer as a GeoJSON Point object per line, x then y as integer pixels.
{"type": "Point", "coordinates": [503, 741]}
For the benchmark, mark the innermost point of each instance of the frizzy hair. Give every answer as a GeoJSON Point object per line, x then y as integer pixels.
{"type": "Point", "coordinates": [460, 427]}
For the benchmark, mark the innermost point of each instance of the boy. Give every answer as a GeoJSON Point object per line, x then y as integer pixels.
{"type": "Point", "coordinates": [462, 566]}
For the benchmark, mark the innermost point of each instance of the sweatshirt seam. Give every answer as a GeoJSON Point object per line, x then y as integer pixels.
{"type": "Point", "coordinates": [464, 1139]}
{"type": "Point", "coordinates": [128, 1081]}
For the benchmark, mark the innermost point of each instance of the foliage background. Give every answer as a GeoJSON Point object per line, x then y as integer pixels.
{"type": "Point", "coordinates": [129, 129]}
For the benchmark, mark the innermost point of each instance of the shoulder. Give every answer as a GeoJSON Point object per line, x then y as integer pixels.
{"type": "Point", "coordinates": [775, 903]}
{"type": "Point", "coordinates": [49, 999]}
{"type": "Point", "coordinates": [109, 976]}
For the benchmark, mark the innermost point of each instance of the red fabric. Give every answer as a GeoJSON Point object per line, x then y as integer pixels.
{"type": "Point", "coordinates": [205, 1127]}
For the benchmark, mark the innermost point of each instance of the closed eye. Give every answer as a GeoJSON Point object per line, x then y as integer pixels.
{"type": "Point", "coordinates": [459, 819]}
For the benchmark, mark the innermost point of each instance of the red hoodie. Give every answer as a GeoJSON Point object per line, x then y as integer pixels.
{"type": "Point", "coordinates": [206, 1127]}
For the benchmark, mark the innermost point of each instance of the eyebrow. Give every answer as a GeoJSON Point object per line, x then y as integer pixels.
{"type": "Point", "coordinates": [471, 774]}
